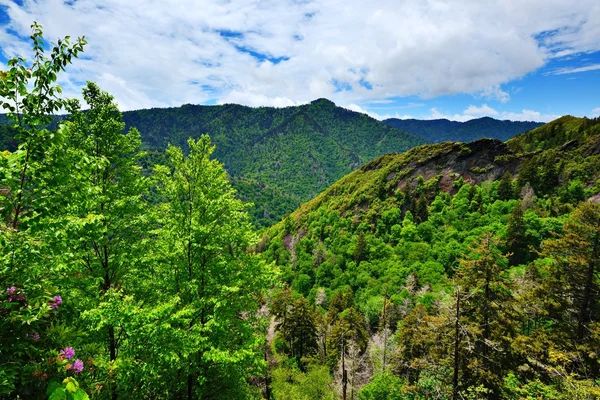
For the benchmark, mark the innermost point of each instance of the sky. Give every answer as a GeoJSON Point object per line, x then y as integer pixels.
{"type": "Point", "coordinates": [426, 59]}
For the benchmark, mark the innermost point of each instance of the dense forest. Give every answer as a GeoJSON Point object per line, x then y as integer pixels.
{"type": "Point", "coordinates": [454, 270]}
{"type": "Point", "coordinates": [278, 158]}
{"type": "Point", "coordinates": [443, 130]}
{"type": "Point", "coordinates": [450, 271]}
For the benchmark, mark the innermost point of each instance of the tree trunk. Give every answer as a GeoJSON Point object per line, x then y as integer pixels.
{"type": "Point", "coordinates": [112, 347]}
{"type": "Point", "coordinates": [456, 352]}
{"type": "Point", "coordinates": [587, 294]}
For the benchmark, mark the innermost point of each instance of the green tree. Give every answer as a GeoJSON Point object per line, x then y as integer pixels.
{"type": "Point", "coordinates": [505, 188]}
{"type": "Point", "coordinates": [384, 386]}
{"type": "Point", "coordinates": [422, 213]}
{"type": "Point", "coordinates": [204, 237]}
{"type": "Point", "coordinates": [29, 263]}
{"type": "Point", "coordinates": [486, 314]}
{"type": "Point", "coordinates": [569, 288]}
{"type": "Point", "coordinates": [107, 219]}
{"type": "Point", "coordinates": [298, 329]}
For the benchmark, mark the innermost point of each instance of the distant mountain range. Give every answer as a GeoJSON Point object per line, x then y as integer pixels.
{"type": "Point", "coordinates": [443, 130]}
{"type": "Point", "coordinates": [278, 158]}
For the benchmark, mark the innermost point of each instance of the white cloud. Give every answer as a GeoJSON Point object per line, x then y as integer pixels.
{"type": "Point", "coordinates": [529, 115]}
{"type": "Point", "coordinates": [436, 114]}
{"type": "Point", "coordinates": [380, 117]}
{"type": "Point", "coordinates": [596, 112]}
{"type": "Point", "coordinates": [255, 100]}
{"type": "Point", "coordinates": [165, 53]}
{"type": "Point", "coordinates": [573, 70]}
{"type": "Point", "coordinates": [473, 112]}
{"type": "Point", "coordinates": [482, 111]}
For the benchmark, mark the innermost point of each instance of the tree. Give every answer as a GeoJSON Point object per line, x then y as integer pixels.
{"type": "Point", "coordinates": [485, 315]}
{"type": "Point", "coordinates": [384, 386]}
{"type": "Point", "coordinates": [298, 330]}
{"type": "Point", "coordinates": [204, 237]}
{"type": "Point", "coordinates": [422, 213]}
{"type": "Point", "coordinates": [28, 262]}
{"type": "Point", "coordinates": [107, 220]}
{"type": "Point", "coordinates": [419, 335]}
{"type": "Point", "coordinates": [348, 341]}
{"type": "Point", "coordinates": [360, 249]}
{"type": "Point", "coordinates": [569, 288]}
{"type": "Point", "coordinates": [505, 188]}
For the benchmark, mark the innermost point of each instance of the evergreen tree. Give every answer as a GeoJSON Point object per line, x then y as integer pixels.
{"type": "Point", "coordinates": [486, 314]}
{"type": "Point", "coordinates": [360, 249]}
{"type": "Point", "coordinates": [298, 330]}
{"type": "Point", "coordinates": [422, 212]}
{"type": "Point", "coordinates": [569, 289]}
{"type": "Point", "coordinates": [505, 188]}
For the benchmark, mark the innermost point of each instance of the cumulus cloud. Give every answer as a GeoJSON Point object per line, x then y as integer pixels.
{"type": "Point", "coordinates": [596, 112]}
{"type": "Point", "coordinates": [286, 52]}
{"type": "Point", "coordinates": [529, 115]}
{"type": "Point", "coordinates": [484, 110]}
{"type": "Point", "coordinates": [378, 116]}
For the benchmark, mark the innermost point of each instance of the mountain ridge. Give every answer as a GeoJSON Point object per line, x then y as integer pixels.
{"type": "Point", "coordinates": [442, 130]}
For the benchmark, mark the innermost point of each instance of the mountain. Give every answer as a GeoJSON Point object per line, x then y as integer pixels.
{"type": "Point", "coordinates": [277, 158]}
{"type": "Point", "coordinates": [570, 144]}
{"type": "Point", "coordinates": [397, 253]}
{"type": "Point", "coordinates": [556, 133]}
{"type": "Point", "coordinates": [442, 130]}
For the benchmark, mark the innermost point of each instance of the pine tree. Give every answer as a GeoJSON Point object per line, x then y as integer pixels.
{"type": "Point", "coordinates": [298, 330]}
{"type": "Point", "coordinates": [569, 289]}
{"type": "Point", "coordinates": [360, 249]}
{"type": "Point", "coordinates": [505, 188]}
{"type": "Point", "coordinates": [422, 212]}
{"type": "Point", "coordinates": [486, 313]}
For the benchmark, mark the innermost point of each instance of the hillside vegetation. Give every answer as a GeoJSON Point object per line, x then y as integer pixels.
{"type": "Point", "coordinates": [450, 271]}
{"type": "Point", "coordinates": [276, 157]}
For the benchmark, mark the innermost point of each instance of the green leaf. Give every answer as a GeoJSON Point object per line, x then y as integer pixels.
{"type": "Point", "coordinates": [80, 395]}
{"type": "Point", "coordinates": [58, 394]}
{"type": "Point", "coordinates": [71, 388]}
{"type": "Point", "coordinates": [53, 386]}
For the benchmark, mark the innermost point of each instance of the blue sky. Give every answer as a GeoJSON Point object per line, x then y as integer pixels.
{"type": "Point", "coordinates": [460, 59]}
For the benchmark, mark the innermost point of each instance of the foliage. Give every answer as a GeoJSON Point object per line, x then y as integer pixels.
{"type": "Point", "coordinates": [146, 293]}
{"type": "Point", "coordinates": [476, 281]}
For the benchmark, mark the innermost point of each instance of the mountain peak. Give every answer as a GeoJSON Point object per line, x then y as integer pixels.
{"type": "Point", "coordinates": [323, 101]}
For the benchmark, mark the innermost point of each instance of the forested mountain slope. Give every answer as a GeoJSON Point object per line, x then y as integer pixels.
{"type": "Point", "coordinates": [450, 270]}
{"type": "Point", "coordinates": [276, 158]}
{"type": "Point", "coordinates": [442, 130]}
{"type": "Point", "coordinates": [295, 152]}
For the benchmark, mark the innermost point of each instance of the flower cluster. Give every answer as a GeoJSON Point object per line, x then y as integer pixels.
{"type": "Point", "coordinates": [13, 295]}
{"type": "Point", "coordinates": [76, 367]}
{"type": "Point", "coordinates": [67, 353]}
{"type": "Point", "coordinates": [56, 301]}
{"type": "Point", "coordinates": [35, 336]}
